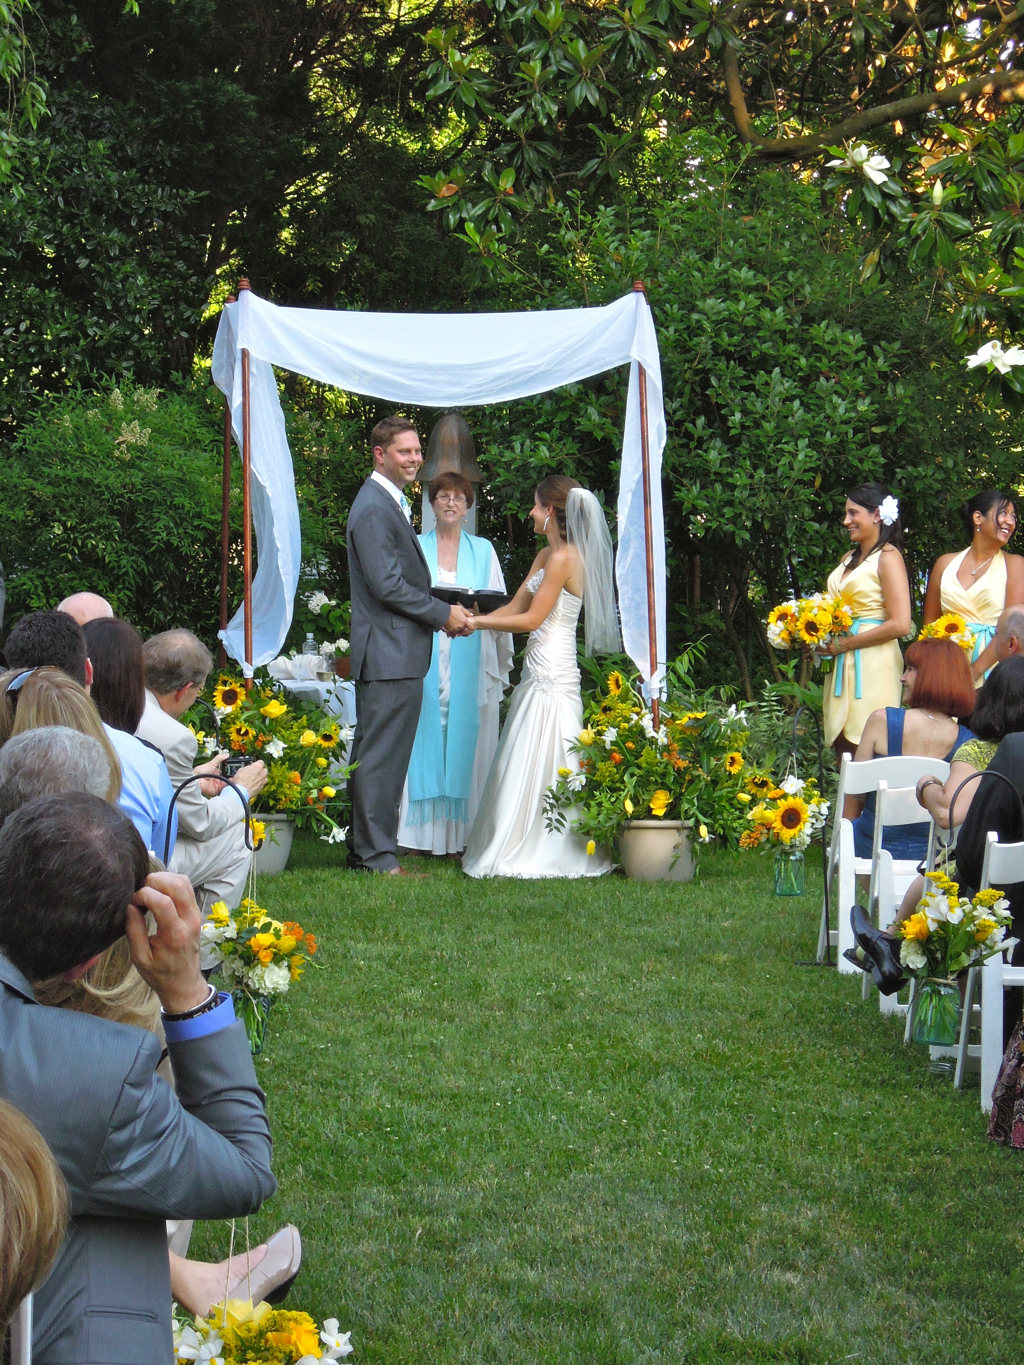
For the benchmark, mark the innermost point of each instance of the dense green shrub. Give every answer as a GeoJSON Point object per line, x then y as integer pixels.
{"type": "Point", "coordinates": [118, 492]}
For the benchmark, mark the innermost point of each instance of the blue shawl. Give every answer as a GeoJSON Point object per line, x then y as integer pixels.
{"type": "Point", "coordinates": [441, 767]}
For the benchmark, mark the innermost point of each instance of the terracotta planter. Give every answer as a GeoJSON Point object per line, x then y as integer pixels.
{"type": "Point", "coordinates": [656, 851]}
{"type": "Point", "coordinates": [272, 857]}
{"type": "Point", "coordinates": [343, 666]}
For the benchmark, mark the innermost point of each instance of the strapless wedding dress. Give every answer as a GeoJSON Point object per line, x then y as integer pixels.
{"type": "Point", "coordinates": [509, 838]}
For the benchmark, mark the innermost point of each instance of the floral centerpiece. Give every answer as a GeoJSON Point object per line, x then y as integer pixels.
{"type": "Point", "coordinates": [302, 749]}
{"type": "Point", "coordinates": [950, 626]}
{"type": "Point", "coordinates": [946, 935]}
{"type": "Point", "coordinates": [808, 622]}
{"type": "Point", "coordinates": [690, 768]}
{"type": "Point", "coordinates": [238, 1331]}
{"type": "Point", "coordinates": [258, 958]}
{"type": "Point", "coordinates": [788, 816]}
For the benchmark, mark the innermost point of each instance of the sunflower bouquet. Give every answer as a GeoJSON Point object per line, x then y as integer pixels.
{"type": "Point", "coordinates": [808, 622]}
{"type": "Point", "coordinates": [302, 747]}
{"type": "Point", "coordinates": [951, 626]}
{"type": "Point", "coordinates": [789, 814]}
{"type": "Point", "coordinates": [691, 768]}
{"type": "Point", "coordinates": [258, 958]}
{"type": "Point", "coordinates": [239, 1331]}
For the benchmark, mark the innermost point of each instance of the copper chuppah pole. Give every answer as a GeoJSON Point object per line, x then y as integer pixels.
{"type": "Point", "coordinates": [645, 466]}
{"type": "Point", "coordinates": [225, 518]}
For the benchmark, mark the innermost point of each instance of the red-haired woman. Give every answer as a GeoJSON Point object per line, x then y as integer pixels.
{"type": "Point", "coordinates": [938, 692]}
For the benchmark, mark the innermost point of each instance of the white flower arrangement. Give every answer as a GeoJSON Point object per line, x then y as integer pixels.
{"type": "Point", "coordinates": [316, 601]}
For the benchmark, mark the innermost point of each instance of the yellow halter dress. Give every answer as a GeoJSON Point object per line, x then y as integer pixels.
{"type": "Point", "coordinates": [862, 680]}
{"type": "Point", "coordinates": [981, 604]}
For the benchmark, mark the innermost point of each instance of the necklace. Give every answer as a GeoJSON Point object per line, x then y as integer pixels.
{"type": "Point", "coordinates": [975, 572]}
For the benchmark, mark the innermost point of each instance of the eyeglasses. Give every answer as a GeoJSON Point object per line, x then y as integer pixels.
{"type": "Point", "coordinates": [17, 683]}
{"type": "Point", "coordinates": [452, 499]}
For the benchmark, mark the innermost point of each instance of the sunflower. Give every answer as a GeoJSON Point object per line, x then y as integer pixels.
{"type": "Point", "coordinates": [327, 739]}
{"type": "Point", "coordinates": [227, 695]}
{"type": "Point", "coordinates": [240, 736]}
{"type": "Point", "coordinates": [733, 762]}
{"type": "Point", "coordinates": [813, 625]}
{"type": "Point", "coordinates": [614, 684]}
{"type": "Point", "coordinates": [759, 785]}
{"type": "Point", "coordinates": [790, 818]}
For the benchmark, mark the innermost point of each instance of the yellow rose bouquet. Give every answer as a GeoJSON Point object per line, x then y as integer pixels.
{"type": "Point", "coordinates": [258, 958]}
{"type": "Point", "coordinates": [946, 935]}
{"type": "Point", "coordinates": [238, 1331]}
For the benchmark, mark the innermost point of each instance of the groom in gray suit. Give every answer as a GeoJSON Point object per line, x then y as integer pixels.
{"type": "Point", "coordinates": [394, 617]}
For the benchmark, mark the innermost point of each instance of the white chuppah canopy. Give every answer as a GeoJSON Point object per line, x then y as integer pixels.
{"type": "Point", "coordinates": [437, 360]}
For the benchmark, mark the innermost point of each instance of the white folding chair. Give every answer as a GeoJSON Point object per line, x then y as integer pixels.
{"type": "Point", "coordinates": [1003, 866]}
{"type": "Point", "coordinates": [21, 1333]}
{"type": "Point", "coordinates": [893, 806]}
{"type": "Point", "coordinates": [858, 779]}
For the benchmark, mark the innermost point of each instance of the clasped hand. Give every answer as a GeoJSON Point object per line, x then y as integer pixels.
{"type": "Point", "coordinates": [460, 622]}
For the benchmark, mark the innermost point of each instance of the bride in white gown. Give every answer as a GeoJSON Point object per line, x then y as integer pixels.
{"type": "Point", "coordinates": [573, 571]}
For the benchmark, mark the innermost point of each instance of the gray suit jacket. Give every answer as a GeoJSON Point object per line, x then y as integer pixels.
{"type": "Point", "coordinates": [133, 1154]}
{"type": "Point", "coordinates": [394, 615]}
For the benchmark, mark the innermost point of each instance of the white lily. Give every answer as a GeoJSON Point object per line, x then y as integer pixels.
{"type": "Point", "coordinates": [338, 1344]}
{"type": "Point", "coordinates": [191, 1348]}
{"type": "Point", "coordinates": [734, 714]}
{"type": "Point", "coordinates": [576, 782]}
{"type": "Point", "coordinates": [275, 748]}
{"type": "Point", "coordinates": [336, 836]}
{"type": "Point", "coordinates": [611, 735]}
{"type": "Point", "coordinates": [792, 785]}
{"type": "Point", "coordinates": [993, 354]}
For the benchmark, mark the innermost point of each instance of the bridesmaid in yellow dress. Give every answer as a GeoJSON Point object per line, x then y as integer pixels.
{"type": "Point", "coordinates": [980, 582]}
{"type": "Point", "coordinates": [872, 581]}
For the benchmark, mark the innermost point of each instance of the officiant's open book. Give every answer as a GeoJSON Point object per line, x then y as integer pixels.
{"type": "Point", "coordinates": [483, 599]}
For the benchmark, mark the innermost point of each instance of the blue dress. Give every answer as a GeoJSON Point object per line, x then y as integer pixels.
{"type": "Point", "coordinates": [902, 841]}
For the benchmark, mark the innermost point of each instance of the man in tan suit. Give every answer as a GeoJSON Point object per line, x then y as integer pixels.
{"type": "Point", "coordinates": [210, 849]}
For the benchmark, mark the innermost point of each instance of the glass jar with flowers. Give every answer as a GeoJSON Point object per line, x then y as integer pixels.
{"type": "Point", "coordinates": [785, 816]}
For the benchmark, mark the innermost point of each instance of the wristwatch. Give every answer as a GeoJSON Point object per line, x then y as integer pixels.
{"type": "Point", "coordinates": [210, 1003]}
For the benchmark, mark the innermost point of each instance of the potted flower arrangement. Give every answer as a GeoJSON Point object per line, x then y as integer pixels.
{"type": "Point", "coordinates": [945, 936]}
{"type": "Point", "coordinates": [788, 816]}
{"type": "Point", "coordinates": [648, 788]}
{"type": "Point", "coordinates": [324, 618]}
{"type": "Point", "coordinates": [237, 1331]}
{"type": "Point", "coordinates": [307, 781]}
{"type": "Point", "coordinates": [258, 958]}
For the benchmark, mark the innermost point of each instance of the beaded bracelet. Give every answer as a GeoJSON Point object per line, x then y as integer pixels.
{"type": "Point", "coordinates": [210, 1003]}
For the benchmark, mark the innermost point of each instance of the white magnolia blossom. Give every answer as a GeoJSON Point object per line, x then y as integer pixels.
{"type": "Point", "coordinates": [275, 748]}
{"type": "Point", "coordinates": [792, 786]}
{"type": "Point", "coordinates": [861, 158]}
{"type": "Point", "coordinates": [889, 510]}
{"type": "Point", "coordinates": [316, 600]}
{"type": "Point", "coordinates": [993, 355]}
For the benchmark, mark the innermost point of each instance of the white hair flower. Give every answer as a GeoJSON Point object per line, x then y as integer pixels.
{"type": "Point", "coordinates": [889, 510]}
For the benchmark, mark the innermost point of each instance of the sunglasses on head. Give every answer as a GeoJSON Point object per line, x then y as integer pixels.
{"type": "Point", "coordinates": [17, 682]}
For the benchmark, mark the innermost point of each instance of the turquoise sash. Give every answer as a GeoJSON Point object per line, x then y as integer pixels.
{"type": "Point", "coordinates": [983, 637]}
{"type": "Point", "coordinates": [854, 630]}
{"type": "Point", "coordinates": [441, 767]}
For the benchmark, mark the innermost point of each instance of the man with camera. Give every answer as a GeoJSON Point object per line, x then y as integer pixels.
{"type": "Point", "coordinates": [210, 849]}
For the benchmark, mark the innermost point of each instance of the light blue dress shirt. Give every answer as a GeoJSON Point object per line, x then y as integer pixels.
{"type": "Point", "coordinates": [146, 791]}
{"type": "Point", "coordinates": [187, 1029]}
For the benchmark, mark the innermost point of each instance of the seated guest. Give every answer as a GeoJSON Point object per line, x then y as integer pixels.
{"type": "Point", "coordinates": [211, 849]}
{"type": "Point", "coordinates": [938, 692]}
{"type": "Point", "coordinates": [119, 691]}
{"type": "Point", "coordinates": [31, 699]}
{"type": "Point", "coordinates": [73, 879]}
{"type": "Point", "coordinates": [54, 760]}
{"type": "Point", "coordinates": [1009, 636]}
{"type": "Point", "coordinates": [53, 638]}
{"type": "Point", "coordinates": [84, 607]}
{"type": "Point", "coordinates": [33, 1211]}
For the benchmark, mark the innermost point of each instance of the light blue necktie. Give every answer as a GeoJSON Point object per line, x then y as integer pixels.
{"type": "Point", "coordinates": [406, 507]}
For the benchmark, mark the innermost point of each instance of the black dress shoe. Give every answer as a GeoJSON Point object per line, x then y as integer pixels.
{"type": "Point", "coordinates": [858, 957]}
{"type": "Point", "coordinates": [881, 952]}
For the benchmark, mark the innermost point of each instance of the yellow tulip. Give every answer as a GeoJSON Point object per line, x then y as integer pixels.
{"type": "Point", "coordinates": [628, 806]}
{"type": "Point", "coordinates": [321, 763]}
{"type": "Point", "coordinates": [592, 849]}
{"type": "Point", "coordinates": [565, 772]}
{"type": "Point", "coordinates": [273, 709]}
{"type": "Point", "coordinates": [743, 796]}
{"type": "Point", "coordinates": [587, 736]}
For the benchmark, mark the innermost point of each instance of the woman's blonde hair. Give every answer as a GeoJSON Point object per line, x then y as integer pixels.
{"type": "Point", "coordinates": [111, 989]}
{"type": "Point", "coordinates": [49, 697]}
{"type": "Point", "coordinates": [33, 1210]}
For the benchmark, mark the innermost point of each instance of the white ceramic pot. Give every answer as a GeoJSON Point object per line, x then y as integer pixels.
{"type": "Point", "coordinates": [656, 851]}
{"type": "Point", "coordinates": [272, 857]}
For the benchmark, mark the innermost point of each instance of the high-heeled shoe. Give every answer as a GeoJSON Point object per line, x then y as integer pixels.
{"type": "Point", "coordinates": [270, 1281]}
{"type": "Point", "coordinates": [881, 952]}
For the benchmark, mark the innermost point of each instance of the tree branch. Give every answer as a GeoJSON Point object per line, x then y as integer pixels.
{"type": "Point", "coordinates": [793, 148]}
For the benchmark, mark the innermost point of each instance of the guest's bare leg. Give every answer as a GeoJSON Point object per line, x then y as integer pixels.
{"type": "Point", "coordinates": [198, 1285]}
{"type": "Point", "coordinates": [909, 903]}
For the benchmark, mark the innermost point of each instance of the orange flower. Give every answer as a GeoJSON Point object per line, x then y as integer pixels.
{"type": "Point", "coordinates": [310, 944]}
{"type": "Point", "coordinates": [630, 744]}
{"type": "Point", "coordinates": [615, 758]}
{"type": "Point", "coordinates": [296, 778]}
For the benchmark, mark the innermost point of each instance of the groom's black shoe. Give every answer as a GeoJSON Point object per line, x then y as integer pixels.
{"type": "Point", "coordinates": [880, 951]}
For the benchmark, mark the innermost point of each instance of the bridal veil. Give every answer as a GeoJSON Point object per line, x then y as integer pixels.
{"type": "Point", "coordinates": [588, 531]}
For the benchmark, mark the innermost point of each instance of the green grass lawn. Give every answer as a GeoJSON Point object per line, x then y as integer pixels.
{"type": "Point", "coordinates": [614, 1122]}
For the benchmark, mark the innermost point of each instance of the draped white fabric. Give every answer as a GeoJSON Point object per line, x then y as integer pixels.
{"type": "Point", "coordinates": [436, 360]}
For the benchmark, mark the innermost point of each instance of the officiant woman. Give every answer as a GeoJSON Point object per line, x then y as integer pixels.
{"type": "Point", "coordinates": [458, 728]}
